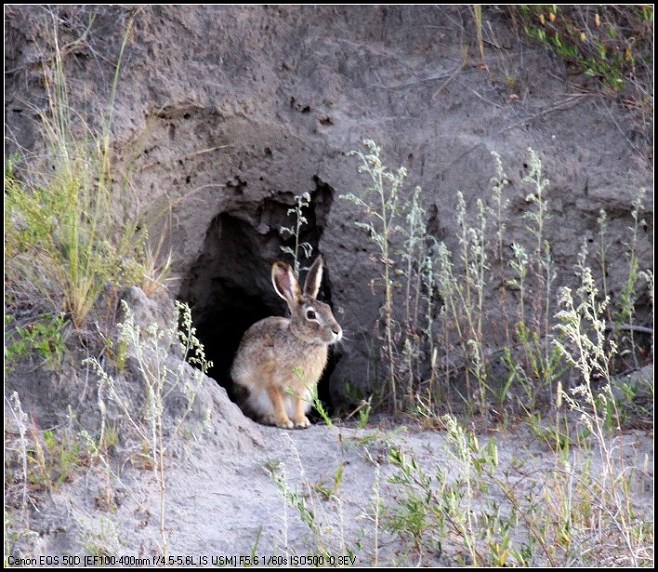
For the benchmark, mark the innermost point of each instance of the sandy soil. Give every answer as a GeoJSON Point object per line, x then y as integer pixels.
{"type": "Point", "coordinates": [330, 503]}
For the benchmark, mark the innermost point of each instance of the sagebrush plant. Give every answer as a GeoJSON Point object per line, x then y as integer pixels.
{"type": "Point", "coordinates": [416, 271]}
{"type": "Point", "coordinates": [406, 324]}
{"type": "Point", "coordinates": [151, 348]}
{"type": "Point", "coordinates": [584, 344]}
{"type": "Point", "coordinates": [21, 421]}
{"type": "Point", "coordinates": [625, 316]}
{"type": "Point", "coordinates": [301, 202]}
{"type": "Point", "coordinates": [538, 214]}
{"type": "Point", "coordinates": [463, 296]}
{"type": "Point", "coordinates": [528, 357]}
{"type": "Point", "coordinates": [429, 348]}
{"type": "Point", "coordinates": [621, 317]}
{"type": "Point", "coordinates": [499, 182]}
{"type": "Point", "coordinates": [647, 276]}
{"type": "Point", "coordinates": [414, 274]}
{"type": "Point", "coordinates": [382, 207]}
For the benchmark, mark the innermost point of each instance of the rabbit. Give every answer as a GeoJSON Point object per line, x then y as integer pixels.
{"type": "Point", "coordinates": [280, 360]}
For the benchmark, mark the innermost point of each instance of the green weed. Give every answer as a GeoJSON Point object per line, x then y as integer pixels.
{"type": "Point", "coordinates": [70, 237]}
{"type": "Point", "coordinates": [319, 406]}
{"type": "Point", "coordinates": [46, 337]}
{"type": "Point", "coordinates": [607, 42]}
{"type": "Point", "coordinates": [329, 492]}
{"type": "Point", "coordinates": [54, 458]}
{"type": "Point", "coordinates": [532, 368]}
{"type": "Point", "coordinates": [309, 507]}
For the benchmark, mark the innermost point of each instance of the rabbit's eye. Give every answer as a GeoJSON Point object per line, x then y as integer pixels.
{"type": "Point", "coordinates": [310, 314]}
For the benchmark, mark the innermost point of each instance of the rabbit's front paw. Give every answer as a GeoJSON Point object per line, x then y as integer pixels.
{"type": "Point", "coordinates": [302, 423]}
{"type": "Point", "coordinates": [282, 422]}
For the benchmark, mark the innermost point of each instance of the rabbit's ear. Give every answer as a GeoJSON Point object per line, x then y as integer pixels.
{"type": "Point", "coordinates": [314, 278]}
{"type": "Point", "coordinates": [285, 283]}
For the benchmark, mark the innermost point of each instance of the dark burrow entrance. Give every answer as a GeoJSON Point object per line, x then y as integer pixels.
{"type": "Point", "coordinates": [229, 287]}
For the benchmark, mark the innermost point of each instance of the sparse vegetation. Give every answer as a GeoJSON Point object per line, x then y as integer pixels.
{"type": "Point", "coordinates": [313, 505]}
{"type": "Point", "coordinates": [152, 349]}
{"type": "Point", "coordinates": [72, 242]}
{"type": "Point", "coordinates": [65, 234]}
{"type": "Point", "coordinates": [426, 271]}
{"type": "Point", "coordinates": [612, 43]}
{"type": "Point", "coordinates": [482, 513]}
{"type": "Point", "coordinates": [406, 326]}
{"type": "Point", "coordinates": [542, 346]}
{"type": "Point", "coordinates": [71, 238]}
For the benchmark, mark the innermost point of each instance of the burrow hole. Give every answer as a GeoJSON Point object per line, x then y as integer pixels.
{"type": "Point", "coordinates": [229, 286]}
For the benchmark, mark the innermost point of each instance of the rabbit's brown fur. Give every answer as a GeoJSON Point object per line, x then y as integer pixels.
{"type": "Point", "coordinates": [280, 360]}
